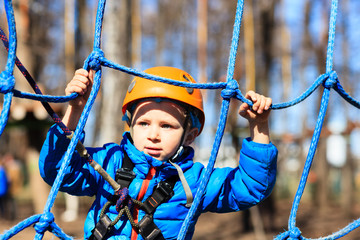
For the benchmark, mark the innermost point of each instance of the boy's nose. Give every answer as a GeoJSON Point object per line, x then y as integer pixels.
{"type": "Point", "coordinates": [154, 133]}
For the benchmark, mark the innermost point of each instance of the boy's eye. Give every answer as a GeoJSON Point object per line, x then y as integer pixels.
{"type": "Point", "coordinates": [166, 126]}
{"type": "Point", "coordinates": [143, 124]}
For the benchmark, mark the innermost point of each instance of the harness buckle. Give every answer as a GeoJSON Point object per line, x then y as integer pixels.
{"type": "Point", "coordinates": [148, 229]}
{"type": "Point", "coordinates": [102, 228]}
{"type": "Point", "coordinates": [165, 189]}
{"type": "Point", "coordinates": [162, 193]}
{"type": "Point", "coordinates": [124, 177]}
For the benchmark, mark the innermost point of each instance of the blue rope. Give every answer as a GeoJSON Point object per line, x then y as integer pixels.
{"type": "Point", "coordinates": [134, 72]}
{"type": "Point", "coordinates": [44, 98]}
{"type": "Point", "coordinates": [331, 81]}
{"type": "Point", "coordinates": [7, 80]}
{"type": "Point", "coordinates": [20, 226]}
{"type": "Point", "coordinates": [230, 89]}
{"type": "Point", "coordinates": [221, 125]}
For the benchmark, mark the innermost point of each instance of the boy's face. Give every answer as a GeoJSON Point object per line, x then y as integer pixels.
{"type": "Point", "coordinates": [157, 129]}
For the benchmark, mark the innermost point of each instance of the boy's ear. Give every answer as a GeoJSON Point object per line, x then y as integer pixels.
{"type": "Point", "coordinates": [190, 136]}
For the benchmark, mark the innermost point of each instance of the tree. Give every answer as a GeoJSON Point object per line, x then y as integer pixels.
{"type": "Point", "coordinates": [116, 42]}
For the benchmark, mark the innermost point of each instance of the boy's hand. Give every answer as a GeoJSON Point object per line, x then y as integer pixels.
{"type": "Point", "coordinates": [81, 84]}
{"type": "Point", "coordinates": [257, 116]}
{"type": "Point", "coordinates": [259, 112]}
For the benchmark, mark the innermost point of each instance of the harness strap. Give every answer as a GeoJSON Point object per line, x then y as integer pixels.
{"type": "Point", "coordinates": [123, 177]}
{"type": "Point", "coordinates": [148, 229]}
{"type": "Point", "coordinates": [127, 163]}
{"type": "Point", "coordinates": [188, 193]}
{"type": "Point", "coordinates": [125, 174]}
{"type": "Point", "coordinates": [162, 193]}
{"type": "Point", "coordinates": [102, 228]}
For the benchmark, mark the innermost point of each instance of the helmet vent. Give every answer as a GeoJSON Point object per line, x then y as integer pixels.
{"type": "Point", "coordinates": [189, 90]}
{"type": "Point", "coordinates": [131, 86]}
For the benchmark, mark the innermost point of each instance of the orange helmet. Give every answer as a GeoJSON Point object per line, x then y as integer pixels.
{"type": "Point", "coordinates": [141, 88]}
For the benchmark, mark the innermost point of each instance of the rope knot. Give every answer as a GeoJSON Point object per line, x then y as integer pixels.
{"type": "Point", "coordinates": [94, 59]}
{"type": "Point", "coordinates": [295, 233]}
{"type": "Point", "coordinates": [7, 82]}
{"type": "Point", "coordinates": [230, 90]}
{"type": "Point", "coordinates": [124, 199]}
{"type": "Point", "coordinates": [331, 80]}
{"type": "Point", "coordinates": [44, 223]}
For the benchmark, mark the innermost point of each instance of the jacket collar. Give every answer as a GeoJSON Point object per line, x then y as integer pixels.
{"type": "Point", "coordinates": [143, 162]}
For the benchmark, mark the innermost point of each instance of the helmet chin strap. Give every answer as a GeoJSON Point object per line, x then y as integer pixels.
{"type": "Point", "coordinates": [178, 153]}
{"type": "Point", "coordinates": [173, 159]}
{"type": "Point", "coordinates": [180, 150]}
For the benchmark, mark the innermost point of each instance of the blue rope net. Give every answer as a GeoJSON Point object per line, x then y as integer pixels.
{"type": "Point", "coordinates": [45, 221]}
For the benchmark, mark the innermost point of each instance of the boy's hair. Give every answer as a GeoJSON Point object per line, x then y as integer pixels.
{"type": "Point", "coordinates": [141, 89]}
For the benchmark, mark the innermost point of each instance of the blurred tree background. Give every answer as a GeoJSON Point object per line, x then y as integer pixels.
{"type": "Point", "coordinates": [281, 53]}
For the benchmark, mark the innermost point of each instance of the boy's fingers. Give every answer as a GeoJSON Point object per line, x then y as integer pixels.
{"type": "Point", "coordinates": [74, 89]}
{"type": "Point", "coordinates": [81, 78]}
{"type": "Point", "coordinates": [79, 90]}
{"type": "Point", "coordinates": [243, 108]}
{"type": "Point", "coordinates": [76, 86]}
{"type": "Point", "coordinates": [251, 95]}
{"type": "Point", "coordinates": [256, 99]}
{"type": "Point", "coordinates": [268, 103]}
{"type": "Point", "coordinates": [81, 75]}
{"type": "Point", "coordinates": [81, 85]}
{"type": "Point", "coordinates": [91, 75]}
{"type": "Point", "coordinates": [82, 72]}
{"type": "Point", "coordinates": [262, 104]}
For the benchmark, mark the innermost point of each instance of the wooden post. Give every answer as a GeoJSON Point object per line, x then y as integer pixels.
{"type": "Point", "coordinates": [136, 34]}
{"type": "Point", "coordinates": [202, 34]}
{"type": "Point", "coordinates": [249, 47]}
{"type": "Point", "coordinates": [69, 32]}
{"type": "Point", "coordinates": [117, 39]}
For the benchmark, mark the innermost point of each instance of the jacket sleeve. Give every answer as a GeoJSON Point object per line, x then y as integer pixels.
{"type": "Point", "coordinates": [234, 189]}
{"type": "Point", "coordinates": [80, 178]}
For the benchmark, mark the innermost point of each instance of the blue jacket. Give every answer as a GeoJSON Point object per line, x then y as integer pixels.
{"type": "Point", "coordinates": [4, 184]}
{"type": "Point", "coordinates": [228, 190]}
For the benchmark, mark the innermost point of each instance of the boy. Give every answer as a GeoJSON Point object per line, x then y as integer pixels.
{"type": "Point", "coordinates": [163, 120]}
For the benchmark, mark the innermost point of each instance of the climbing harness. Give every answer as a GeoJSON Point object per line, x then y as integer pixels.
{"type": "Point", "coordinates": [162, 193]}
{"type": "Point", "coordinates": [124, 204]}
{"type": "Point", "coordinates": [122, 200]}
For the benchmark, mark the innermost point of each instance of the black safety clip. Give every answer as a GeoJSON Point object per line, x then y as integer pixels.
{"type": "Point", "coordinates": [102, 228]}
{"type": "Point", "coordinates": [124, 177]}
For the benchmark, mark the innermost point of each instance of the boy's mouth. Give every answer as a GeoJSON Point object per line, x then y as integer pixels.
{"type": "Point", "coordinates": [154, 152]}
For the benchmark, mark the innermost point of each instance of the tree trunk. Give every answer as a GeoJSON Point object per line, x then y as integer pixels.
{"type": "Point", "coordinates": [267, 31]}
{"type": "Point", "coordinates": [160, 33]}
{"type": "Point", "coordinates": [348, 174]}
{"type": "Point", "coordinates": [249, 47]}
{"type": "Point", "coordinates": [83, 33]}
{"type": "Point", "coordinates": [117, 36]}
{"type": "Point", "coordinates": [202, 40]}
{"type": "Point", "coordinates": [136, 34]}
{"type": "Point", "coordinates": [69, 33]}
